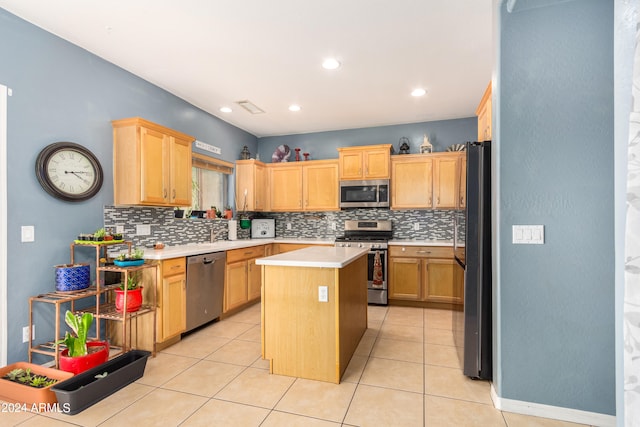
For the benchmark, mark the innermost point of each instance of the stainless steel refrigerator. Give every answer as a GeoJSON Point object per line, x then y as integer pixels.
{"type": "Point", "coordinates": [472, 247]}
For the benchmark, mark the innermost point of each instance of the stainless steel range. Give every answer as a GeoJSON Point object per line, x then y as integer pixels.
{"type": "Point", "coordinates": [373, 235]}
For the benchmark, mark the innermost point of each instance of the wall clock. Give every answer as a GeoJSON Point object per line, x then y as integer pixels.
{"type": "Point", "coordinates": [69, 171]}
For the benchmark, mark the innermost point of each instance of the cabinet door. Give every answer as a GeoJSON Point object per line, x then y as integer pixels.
{"type": "Point", "coordinates": [173, 306]}
{"type": "Point", "coordinates": [463, 182]}
{"type": "Point", "coordinates": [320, 186]}
{"type": "Point", "coordinates": [351, 165]}
{"type": "Point", "coordinates": [286, 188]}
{"type": "Point", "coordinates": [235, 286]}
{"type": "Point", "coordinates": [261, 188]}
{"type": "Point", "coordinates": [254, 280]}
{"type": "Point", "coordinates": [376, 164]}
{"type": "Point", "coordinates": [180, 175]}
{"type": "Point", "coordinates": [153, 170]}
{"type": "Point", "coordinates": [439, 282]}
{"type": "Point", "coordinates": [445, 182]}
{"type": "Point", "coordinates": [404, 279]}
{"type": "Point", "coordinates": [484, 115]}
{"type": "Point", "coordinates": [411, 183]}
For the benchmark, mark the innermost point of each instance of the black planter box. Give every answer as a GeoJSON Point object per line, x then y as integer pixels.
{"type": "Point", "coordinates": [83, 390]}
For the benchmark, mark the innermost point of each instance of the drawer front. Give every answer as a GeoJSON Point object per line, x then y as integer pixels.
{"type": "Point", "coordinates": [421, 251]}
{"type": "Point", "coordinates": [174, 266]}
{"type": "Point", "coordinates": [236, 255]}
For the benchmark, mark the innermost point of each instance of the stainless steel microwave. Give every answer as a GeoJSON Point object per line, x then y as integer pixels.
{"type": "Point", "coordinates": [364, 194]}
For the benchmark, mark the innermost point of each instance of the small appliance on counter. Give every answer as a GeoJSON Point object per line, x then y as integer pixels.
{"type": "Point", "coordinates": [233, 230]}
{"type": "Point", "coordinates": [263, 228]}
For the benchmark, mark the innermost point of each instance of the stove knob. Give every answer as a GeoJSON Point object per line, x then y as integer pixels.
{"type": "Point", "coordinates": [375, 245]}
{"type": "Point", "coordinates": [361, 245]}
{"type": "Point", "coordinates": [348, 245]}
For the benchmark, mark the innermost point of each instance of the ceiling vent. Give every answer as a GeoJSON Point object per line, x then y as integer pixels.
{"type": "Point", "coordinates": [250, 107]}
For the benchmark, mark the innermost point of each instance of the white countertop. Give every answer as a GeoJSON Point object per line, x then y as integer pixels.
{"type": "Point", "coordinates": [315, 256]}
{"type": "Point", "coordinates": [401, 242]}
{"type": "Point", "coordinates": [226, 245]}
{"type": "Point", "coordinates": [218, 246]}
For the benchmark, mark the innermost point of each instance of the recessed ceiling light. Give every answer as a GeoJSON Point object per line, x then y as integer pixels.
{"type": "Point", "coordinates": [226, 109]}
{"type": "Point", "coordinates": [330, 64]}
{"type": "Point", "coordinates": [294, 107]}
{"type": "Point", "coordinates": [418, 92]}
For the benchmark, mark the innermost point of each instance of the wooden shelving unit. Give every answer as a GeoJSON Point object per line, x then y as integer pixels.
{"type": "Point", "coordinates": [103, 309]}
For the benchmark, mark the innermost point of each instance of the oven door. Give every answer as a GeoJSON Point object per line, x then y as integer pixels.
{"type": "Point", "coordinates": [377, 284]}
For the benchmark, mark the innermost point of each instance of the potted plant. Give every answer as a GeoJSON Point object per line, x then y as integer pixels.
{"type": "Point", "coordinates": [99, 234]}
{"type": "Point", "coordinates": [131, 292]}
{"type": "Point", "coordinates": [178, 212]}
{"type": "Point", "coordinates": [228, 213]}
{"type": "Point", "coordinates": [81, 355]}
{"type": "Point", "coordinates": [130, 259]}
{"type": "Point", "coordinates": [29, 383]}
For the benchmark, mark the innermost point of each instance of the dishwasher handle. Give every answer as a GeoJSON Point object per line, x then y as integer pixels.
{"type": "Point", "coordinates": [206, 261]}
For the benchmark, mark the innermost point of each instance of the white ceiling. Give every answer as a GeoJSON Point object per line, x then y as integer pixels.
{"type": "Point", "coordinates": [213, 53]}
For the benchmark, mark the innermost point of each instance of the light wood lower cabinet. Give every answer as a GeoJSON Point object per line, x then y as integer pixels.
{"type": "Point", "coordinates": [172, 304]}
{"type": "Point", "coordinates": [243, 278]}
{"type": "Point", "coordinates": [423, 273]}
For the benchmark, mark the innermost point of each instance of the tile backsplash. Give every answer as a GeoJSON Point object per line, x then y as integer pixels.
{"type": "Point", "coordinates": [432, 224]}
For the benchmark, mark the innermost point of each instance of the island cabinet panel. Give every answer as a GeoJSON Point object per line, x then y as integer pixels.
{"type": "Point", "coordinates": [308, 338]}
{"type": "Point", "coordinates": [151, 164]}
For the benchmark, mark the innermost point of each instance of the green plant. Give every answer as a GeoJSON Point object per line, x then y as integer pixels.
{"type": "Point", "coordinates": [138, 253]}
{"type": "Point", "coordinates": [26, 377]}
{"type": "Point", "coordinates": [79, 324]}
{"type": "Point", "coordinates": [132, 282]}
{"type": "Point", "coordinates": [100, 232]}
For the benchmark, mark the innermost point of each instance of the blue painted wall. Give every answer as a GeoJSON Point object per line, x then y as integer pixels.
{"type": "Point", "coordinates": [64, 93]}
{"type": "Point", "coordinates": [323, 145]}
{"type": "Point", "coordinates": [555, 144]}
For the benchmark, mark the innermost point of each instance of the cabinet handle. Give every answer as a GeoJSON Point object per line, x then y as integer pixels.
{"type": "Point", "coordinates": [404, 249]}
{"type": "Point", "coordinates": [438, 200]}
{"type": "Point", "coordinates": [174, 193]}
{"type": "Point", "coordinates": [165, 193]}
{"type": "Point", "coordinates": [424, 252]}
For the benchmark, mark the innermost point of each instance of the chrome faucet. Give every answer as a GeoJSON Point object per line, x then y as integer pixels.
{"type": "Point", "coordinates": [214, 235]}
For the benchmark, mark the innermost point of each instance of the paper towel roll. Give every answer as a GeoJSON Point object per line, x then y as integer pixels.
{"type": "Point", "coordinates": [233, 229]}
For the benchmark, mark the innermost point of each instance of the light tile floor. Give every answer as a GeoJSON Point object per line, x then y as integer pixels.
{"type": "Point", "coordinates": [405, 372]}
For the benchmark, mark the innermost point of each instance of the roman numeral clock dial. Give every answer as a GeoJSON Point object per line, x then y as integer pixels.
{"type": "Point", "coordinates": [69, 171]}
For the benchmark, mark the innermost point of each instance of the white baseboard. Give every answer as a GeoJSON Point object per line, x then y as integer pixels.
{"type": "Point", "coordinates": [553, 412]}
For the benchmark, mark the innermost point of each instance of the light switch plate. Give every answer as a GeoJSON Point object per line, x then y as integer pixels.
{"type": "Point", "coordinates": [28, 233]}
{"type": "Point", "coordinates": [528, 234]}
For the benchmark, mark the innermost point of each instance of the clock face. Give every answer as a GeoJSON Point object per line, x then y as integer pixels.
{"type": "Point", "coordinates": [69, 171]}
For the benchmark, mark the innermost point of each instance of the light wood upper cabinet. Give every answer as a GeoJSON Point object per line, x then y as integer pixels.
{"type": "Point", "coordinates": [484, 116]}
{"type": "Point", "coordinates": [286, 186]}
{"type": "Point", "coordinates": [365, 162]}
{"type": "Point", "coordinates": [298, 186]}
{"type": "Point", "coordinates": [446, 178]}
{"type": "Point", "coordinates": [151, 164]}
{"type": "Point", "coordinates": [427, 181]}
{"type": "Point", "coordinates": [320, 185]}
{"type": "Point", "coordinates": [252, 176]}
{"type": "Point", "coordinates": [411, 182]}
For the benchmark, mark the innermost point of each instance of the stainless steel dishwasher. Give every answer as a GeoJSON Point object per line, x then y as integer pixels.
{"type": "Point", "coordinates": [205, 287]}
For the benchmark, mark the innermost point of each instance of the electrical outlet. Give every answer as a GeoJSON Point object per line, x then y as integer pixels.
{"type": "Point", "coordinates": [27, 233]}
{"type": "Point", "coordinates": [323, 293]}
{"type": "Point", "coordinates": [288, 226]}
{"type": "Point", "coordinates": [120, 229]}
{"type": "Point", "coordinates": [143, 229]}
{"type": "Point", "coordinates": [332, 225]}
{"type": "Point", "coordinates": [416, 226]}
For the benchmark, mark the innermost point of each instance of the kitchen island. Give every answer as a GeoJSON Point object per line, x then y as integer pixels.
{"type": "Point", "coordinates": [314, 310]}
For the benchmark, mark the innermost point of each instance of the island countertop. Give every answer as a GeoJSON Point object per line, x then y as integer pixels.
{"type": "Point", "coordinates": [315, 256]}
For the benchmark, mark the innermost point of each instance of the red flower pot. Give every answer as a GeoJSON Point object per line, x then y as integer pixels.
{"type": "Point", "coordinates": [98, 353]}
{"type": "Point", "coordinates": [134, 300]}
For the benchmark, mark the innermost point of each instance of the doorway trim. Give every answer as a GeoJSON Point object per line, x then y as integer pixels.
{"type": "Point", "coordinates": [3, 225]}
